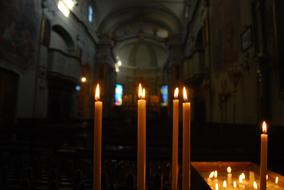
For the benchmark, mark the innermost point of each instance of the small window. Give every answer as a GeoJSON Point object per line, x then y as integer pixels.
{"type": "Point", "coordinates": [164, 94]}
{"type": "Point", "coordinates": [118, 94]}
{"type": "Point", "coordinates": [90, 14]}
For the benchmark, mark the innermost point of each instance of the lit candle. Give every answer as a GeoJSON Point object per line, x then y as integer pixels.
{"type": "Point", "coordinates": [263, 156]}
{"type": "Point", "coordinates": [229, 176]}
{"type": "Point", "coordinates": [216, 186]}
{"type": "Point", "coordinates": [175, 141]}
{"type": "Point", "coordinates": [215, 174]}
{"type": "Point", "coordinates": [186, 143]}
{"type": "Point", "coordinates": [254, 185]}
{"type": "Point", "coordinates": [97, 139]}
{"type": "Point", "coordinates": [211, 175]}
{"type": "Point", "coordinates": [241, 178]}
{"type": "Point", "coordinates": [224, 184]}
{"type": "Point", "coordinates": [141, 139]}
{"type": "Point", "coordinates": [276, 180]}
{"type": "Point", "coordinates": [235, 184]}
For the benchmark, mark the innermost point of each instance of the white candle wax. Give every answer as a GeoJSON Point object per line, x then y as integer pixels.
{"type": "Point", "coordinates": [175, 141]}
{"type": "Point", "coordinates": [97, 140]}
{"type": "Point", "coordinates": [263, 157]}
{"type": "Point", "coordinates": [186, 144]}
{"type": "Point", "coordinates": [141, 140]}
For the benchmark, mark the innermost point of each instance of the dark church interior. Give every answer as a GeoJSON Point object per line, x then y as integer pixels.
{"type": "Point", "coordinates": [227, 55]}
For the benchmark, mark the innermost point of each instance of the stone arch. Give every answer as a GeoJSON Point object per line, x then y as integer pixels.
{"type": "Point", "coordinates": [65, 35]}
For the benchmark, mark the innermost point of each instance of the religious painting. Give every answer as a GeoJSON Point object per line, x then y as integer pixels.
{"type": "Point", "coordinates": [18, 32]}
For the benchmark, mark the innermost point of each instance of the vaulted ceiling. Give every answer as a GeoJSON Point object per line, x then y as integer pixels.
{"type": "Point", "coordinates": [141, 29]}
{"type": "Point", "coordinates": [156, 19]}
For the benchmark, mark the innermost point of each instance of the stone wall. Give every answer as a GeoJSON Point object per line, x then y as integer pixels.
{"type": "Point", "coordinates": [38, 43]}
{"type": "Point", "coordinates": [231, 62]}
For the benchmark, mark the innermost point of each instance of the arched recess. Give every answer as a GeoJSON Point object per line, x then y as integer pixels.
{"type": "Point", "coordinates": [150, 52]}
{"type": "Point", "coordinates": [64, 35]}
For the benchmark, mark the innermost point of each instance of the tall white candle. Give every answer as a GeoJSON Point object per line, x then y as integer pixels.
{"type": "Point", "coordinates": [97, 139]}
{"type": "Point", "coordinates": [175, 141]}
{"type": "Point", "coordinates": [141, 139]}
{"type": "Point", "coordinates": [263, 156]}
{"type": "Point", "coordinates": [234, 184]}
{"type": "Point", "coordinates": [186, 143]}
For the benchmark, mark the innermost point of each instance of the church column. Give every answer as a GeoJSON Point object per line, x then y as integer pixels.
{"type": "Point", "coordinates": [41, 88]}
{"type": "Point", "coordinates": [105, 72]}
{"type": "Point", "coordinates": [263, 59]}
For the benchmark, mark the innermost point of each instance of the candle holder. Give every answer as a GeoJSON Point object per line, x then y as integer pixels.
{"type": "Point", "coordinates": [250, 180]}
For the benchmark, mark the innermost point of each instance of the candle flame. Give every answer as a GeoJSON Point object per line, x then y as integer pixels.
{"type": "Point", "coordinates": [143, 93]}
{"type": "Point", "coordinates": [235, 184]}
{"type": "Point", "coordinates": [264, 127]}
{"type": "Point", "coordinates": [229, 169]}
{"type": "Point", "coordinates": [176, 93]}
{"type": "Point", "coordinates": [140, 91]}
{"type": "Point", "coordinates": [224, 184]}
{"type": "Point", "coordinates": [276, 180]}
{"type": "Point", "coordinates": [242, 177]}
{"type": "Point", "coordinates": [254, 185]}
{"type": "Point", "coordinates": [97, 92]}
{"type": "Point", "coordinates": [184, 94]}
{"type": "Point", "coordinates": [216, 186]}
{"type": "Point", "coordinates": [211, 175]}
{"type": "Point", "coordinates": [266, 177]}
{"type": "Point", "coordinates": [215, 174]}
